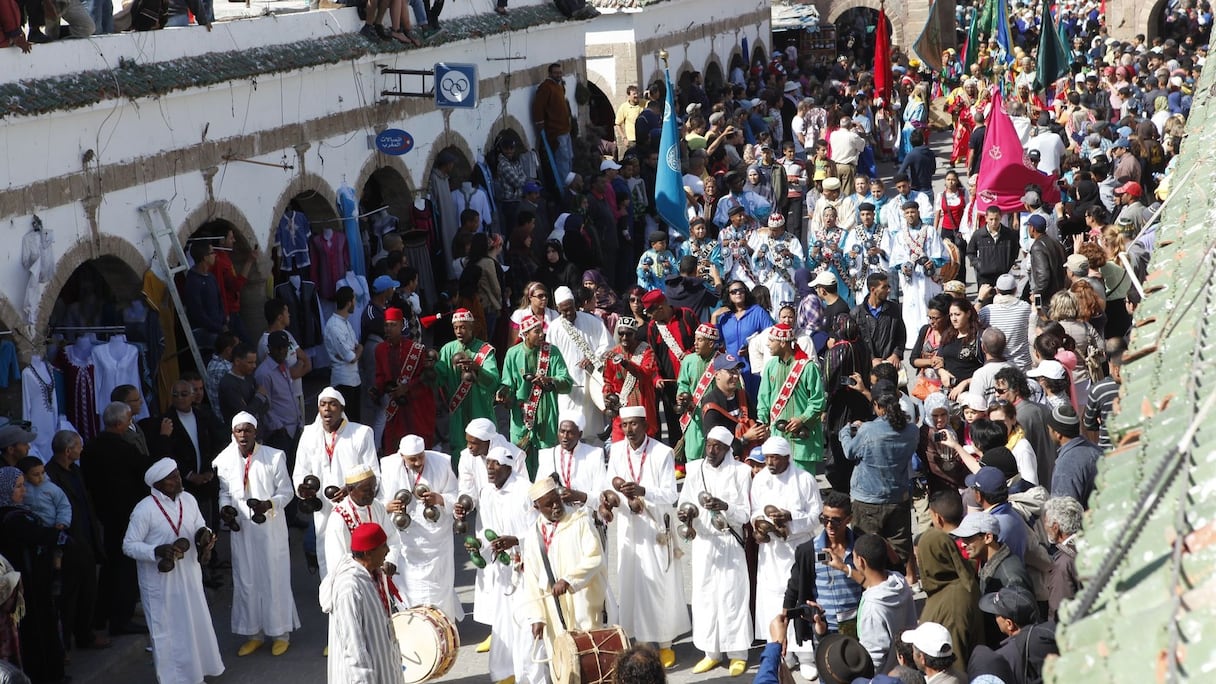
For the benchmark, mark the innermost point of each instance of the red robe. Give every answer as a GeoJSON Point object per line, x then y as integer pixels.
{"type": "Point", "coordinates": [643, 393]}
{"type": "Point", "coordinates": [417, 413]}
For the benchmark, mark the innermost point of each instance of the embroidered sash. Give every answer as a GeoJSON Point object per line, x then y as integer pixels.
{"type": "Point", "coordinates": [697, 392]}
{"type": "Point", "coordinates": [465, 386]}
{"type": "Point", "coordinates": [631, 381]}
{"type": "Point", "coordinates": [542, 370]}
{"type": "Point", "coordinates": [408, 370]}
{"type": "Point", "coordinates": [787, 389]}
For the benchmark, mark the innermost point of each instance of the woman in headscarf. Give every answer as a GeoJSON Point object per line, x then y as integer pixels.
{"type": "Point", "coordinates": [555, 271]}
{"type": "Point", "coordinates": [30, 546]}
{"type": "Point", "coordinates": [952, 590]}
{"type": "Point", "coordinates": [960, 103]}
{"type": "Point", "coordinates": [916, 115]}
{"type": "Point", "coordinates": [520, 260]}
{"type": "Point", "coordinates": [810, 320]}
{"type": "Point", "coordinates": [846, 376]}
{"type": "Point", "coordinates": [758, 183]}
{"type": "Point", "coordinates": [607, 304]}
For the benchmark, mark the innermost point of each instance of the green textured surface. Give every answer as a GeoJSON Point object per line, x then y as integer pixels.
{"type": "Point", "coordinates": [1154, 620]}
{"type": "Point", "coordinates": [133, 81]}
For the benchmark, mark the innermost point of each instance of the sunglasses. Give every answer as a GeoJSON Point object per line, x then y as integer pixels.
{"type": "Point", "coordinates": [825, 520]}
{"type": "Point", "coordinates": [738, 291]}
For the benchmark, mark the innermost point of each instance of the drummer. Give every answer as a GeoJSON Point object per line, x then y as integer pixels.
{"type": "Point", "coordinates": [565, 580]}
{"type": "Point", "coordinates": [358, 595]}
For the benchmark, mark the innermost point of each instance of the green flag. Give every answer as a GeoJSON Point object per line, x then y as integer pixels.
{"type": "Point", "coordinates": [973, 43]}
{"type": "Point", "coordinates": [1053, 56]}
{"type": "Point", "coordinates": [1064, 42]}
{"type": "Point", "coordinates": [987, 21]}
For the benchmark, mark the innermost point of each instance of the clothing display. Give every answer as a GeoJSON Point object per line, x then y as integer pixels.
{"type": "Point", "coordinates": [292, 236]}
{"type": "Point", "coordinates": [330, 261]}
{"type": "Point", "coordinates": [116, 362]}
{"type": "Point", "coordinates": [467, 196]}
{"type": "Point", "coordinates": [303, 309]}
{"type": "Point", "coordinates": [76, 362]}
{"type": "Point", "coordinates": [40, 406]}
{"type": "Point", "coordinates": [8, 363]}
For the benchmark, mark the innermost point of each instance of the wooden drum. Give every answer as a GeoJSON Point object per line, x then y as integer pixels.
{"type": "Point", "coordinates": [588, 657]}
{"type": "Point", "coordinates": [428, 642]}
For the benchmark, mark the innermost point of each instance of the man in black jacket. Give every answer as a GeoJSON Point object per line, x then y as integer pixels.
{"type": "Point", "coordinates": [1029, 641]}
{"type": "Point", "coordinates": [994, 250]}
{"type": "Point", "coordinates": [881, 322]}
{"type": "Point", "coordinates": [685, 289]}
{"type": "Point", "coordinates": [1046, 263]}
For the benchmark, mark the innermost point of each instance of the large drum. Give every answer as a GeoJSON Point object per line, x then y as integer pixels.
{"type": "Point", "coordinates": [428, 643]}
{"type": "Point", "coordinates": [588, 657]}
{"type": "Point", "coordinates": [950, 269]}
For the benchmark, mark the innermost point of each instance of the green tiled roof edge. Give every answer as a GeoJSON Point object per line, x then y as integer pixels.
{"type": "Point", "coordinates": [133, 81]}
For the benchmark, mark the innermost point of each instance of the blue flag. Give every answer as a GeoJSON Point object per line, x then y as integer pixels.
{"type": "Point", "coordinates": [669, 183]}
{"type": "Point", "coordinates": [1002, 31]}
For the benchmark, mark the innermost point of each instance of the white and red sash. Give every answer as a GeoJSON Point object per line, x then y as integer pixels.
{"type": "Point", "coordinates": [631, 380]}
{"type": "Point", "coordinates": [787, 389]}
{"type": "Point", "coordinates": [408, 370]}
{"type": "Point", "coordinates": [542, 370]}
{"type": "Point", "coordinates": [466, 386]}
{"type": "Point", "coordinates": [673, 345]}
{"type": "Point", "coordinates": [698, 392]}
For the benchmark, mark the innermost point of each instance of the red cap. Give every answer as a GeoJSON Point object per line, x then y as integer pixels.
{"type": "Point", "coordinates": [653, 298]}
{"type": "Point", "coordinates": [1130, 188]}
{"type": "Point", "coordinates": [781, 332]}
{"type": "Point", "coordinates": [394, 314]}
{"type": "Point", "coordinates": [367, 537]}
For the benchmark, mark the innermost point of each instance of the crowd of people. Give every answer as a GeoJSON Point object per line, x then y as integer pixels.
{"type": "Point", "coordinates": [609, 396]}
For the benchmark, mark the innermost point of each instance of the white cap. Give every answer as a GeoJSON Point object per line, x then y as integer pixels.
{"type": "Point", "coordinates": [824, 279]}
{"type": "Point", "coordinates": [563, 294]}
{"type": "Point", "coordinates": [159, 471]}
{"type": "Point", "coordinates": [633, 412]}
{"type": "Point", "coordinates": [570, 177]}
{"type": "Point", "coordinates": [973, 401]}
{"type": "Point", "coordinates": [331, 393]}
{"type": "Point", "coordinates": [575, 417]}
{"type": "Point", "coordinates": [775, 445]}
{"type": "Point", "coordinates": [501, 456]}
{"type": "Point", "coordinates": [481, 428]}
{"type": "Point", "coordinates": [721, 434]}
{"type": "Point", "coordinates": [1048, 368]}
{"type": "Point", "coordinates": [931, 638]}
{"type": "Point", "coordinates": [411, 445]}
{"type": "Point", "coordinates": [358, 473]}
{"type": "Point", "coordinates": [244, 418]}
{"type": "Point", "coordinates": [609, 164]}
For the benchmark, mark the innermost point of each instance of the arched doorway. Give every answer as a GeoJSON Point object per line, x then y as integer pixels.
{"type": "Point", "coordinates": [95, 324]}
{"type": "Point", "coordinates": [600, 138]}
{"type": "Point", "coordinates": [855, 35]}
{"type": "Point", "coordinates": [1168, 20]}
{"type": "Point", "coordinates": [384, 207]}
{"type": "Point", "coordinates": [714, 81]}
{"type": "Point", "coordinates": [234, 263]}
{"type": "Point", "coordinates": [759, 57]}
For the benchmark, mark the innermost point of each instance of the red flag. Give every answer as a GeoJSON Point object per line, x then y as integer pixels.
{"type": "Point", "coordinates": [882, 58]}
{"type": "Point", "coordinates": [1004, 169]}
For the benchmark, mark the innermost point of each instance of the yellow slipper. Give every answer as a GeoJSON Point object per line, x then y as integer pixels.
{"type": "Point", "coordinates": [508, 680]}
{"type": "Point", "coordinates": [737, 667]}
{"type": "Point", "coordinates": [484, 647]}
{"type": "Point", "coordinates": [667, 657]}
{"type": "Point", "coordinates": [705, 665]}
{"type": "Point", "coordinates": [249, 647]}
{"type": "Point", "coordinates": [279, 647]}
{"type": "Point", "coordinates": [325, 653]}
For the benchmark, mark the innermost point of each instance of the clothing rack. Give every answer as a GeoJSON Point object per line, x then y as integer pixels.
{"type": "Point", "coordinates": [78, 330]}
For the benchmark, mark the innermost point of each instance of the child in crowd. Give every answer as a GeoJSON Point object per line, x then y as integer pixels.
{"type": "Point", "coordinates": [44, 497]}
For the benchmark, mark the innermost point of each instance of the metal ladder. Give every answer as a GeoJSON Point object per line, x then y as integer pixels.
{"type": "Point", "coordinates": [150, 214]}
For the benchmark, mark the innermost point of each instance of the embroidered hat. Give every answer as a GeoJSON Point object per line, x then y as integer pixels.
{"type": "Point", "coordinates": [367, 537]}
{"type": "Point", "coordinates": [359, 473]}
{"type": "Point", "coordinates": [627, 323]}
{"type": "Point", "coordinates": [781, 332]}
{"type": "Point", "coordinates": [776, 220]}
{"type": "Point", "coordinates": [462, 316]}
{"type": "Point", "coordinates": [707, 331]}
{"type": "Point", "coordinates": [529, 322]}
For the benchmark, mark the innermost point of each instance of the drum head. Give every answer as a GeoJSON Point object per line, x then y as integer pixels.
{"type": "Point", "coordinates": [950, 268]}
{"type": "Point", "coordinates": [427, 642]}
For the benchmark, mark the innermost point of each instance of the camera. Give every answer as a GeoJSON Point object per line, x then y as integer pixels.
{"type": "Point", "coordinates": [873, 259]}
{"type": "Point", "coordinates": [940, 436]}
{"type": "Point", "coordinates": [848, 381]}
{"type": "Point", "coordinates": [821, 556]}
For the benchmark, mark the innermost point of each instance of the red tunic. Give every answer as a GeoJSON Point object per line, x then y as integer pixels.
{"type": "Point", "coordinates": [417, 414]}
{"type": "Point", "coordinates": [230, 282]}
{"type": "Point", "coordinates": [646, 371]}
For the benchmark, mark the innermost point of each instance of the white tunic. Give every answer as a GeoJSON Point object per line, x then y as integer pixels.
{"type": "Point", "coordinates": [793, 490]}
{"type": "Point", "coordinates": [262, 601]}
{"type": "Point", "coordinates": [720, 615]}
{"type": "Point", "coordinates": [351, 445]}
{"type": "Point", "coordinates": [116, 363]}
{"type": "Point", "coordinates": [583, 470]}
{"type": "Point", "coordinates": [427, 574]}
{"type": "Point", "coordinates": [362, 645]}
{"type": "Point", "coordinates": [40, 406]}
{"type": "Point", "coordinates": [915, 290]}
{"type": "Point", "coordinates": [346, 517]}
{"type": "Point", "coordinates": [179, 621]}
{"type": "Point", "coordinates": [595, 335]}
{"type": "Point", "coordinates": [651, 593]}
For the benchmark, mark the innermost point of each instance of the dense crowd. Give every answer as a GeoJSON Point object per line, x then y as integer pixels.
{"type": "Point", "coordinates": [946, 357]}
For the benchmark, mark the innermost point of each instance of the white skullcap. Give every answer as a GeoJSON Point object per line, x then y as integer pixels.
{"type": "Point", "coordinates": [633, 412]}
{"type": "Point", "coordinates": [563, 294]}
{"type": "Point", "coordinates": [542, 487]}
{"type": "Point", "coordinates": [411, 445]}
{"type": "Point", "coordinates": [575, 417]}
{"type": "Point", "coordinates": [501, 456]}
{"type": "Point", "coordinates": [721, 434]}
{"type": "Point", "coordinates": [481, 428]}
{"type": "Point", "coordinates": [159, 471]}
{"type": "Point", "coordinates": [244, 418]}
{"type": "Point", "coordinates": [775, 445]}
{"type": "Point", "coordinates": [331, 393]}
{"type": "Point", "coordinates": [359, 473]}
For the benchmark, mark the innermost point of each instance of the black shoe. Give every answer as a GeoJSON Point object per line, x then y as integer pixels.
{"type": "Point", "coordinates": [39, 37]}
{"type": "Point", "coordinates": [382, 32]}
{"type": "Point", "coordinates": [129, 628]}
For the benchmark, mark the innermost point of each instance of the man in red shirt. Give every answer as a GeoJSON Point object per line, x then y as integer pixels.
{"type": "Point", "coordinates": [630, 374]}
{"type": "Point", "coordinates": [670, 334]}
{"type": "Point", "coordinates": [405, 375]}
{"type": "Point", "coordinates": [231, 282]}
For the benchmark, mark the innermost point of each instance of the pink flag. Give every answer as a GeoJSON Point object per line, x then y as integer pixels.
{"type": "Point", "coordinates": [1004, 169]}
{"type": "Point", "coordinates": [882, 57]}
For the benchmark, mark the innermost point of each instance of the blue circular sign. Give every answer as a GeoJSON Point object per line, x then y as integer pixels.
{"type": "Point", "coordinates": [394, 141]}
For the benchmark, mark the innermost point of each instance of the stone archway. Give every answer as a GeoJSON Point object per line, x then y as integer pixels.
{"type": "Point", "coordinates": [897, 14]}
{"type": "Point", "coordinates": [312, 189]}
{"type": "Point", "coordinates": [714, 79]}
{"type": "Point", "coordinates": [118, 265]}
{"type": "Point", "coordinates": [507, 122]}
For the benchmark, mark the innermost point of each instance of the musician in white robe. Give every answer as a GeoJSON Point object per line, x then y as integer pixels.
{"type": "Point", "coordinates": [505, 509]}
{"type": "Point", "coordinates": [583, 340]}
{"type": "Point", "coordinates": [427, 574]}
{"type": "Point", "coordinates": [358, 505]}
{"type": "Point", "coordinates": [795, 496]}
{"type": "Point", "coordinates": [651, 598]}
{"type": "Point", "coordinates": [254, 481]}
{"type": "Point", "coordinates": [566, 539]}
{"type": "Point", "coordinates": [579, 467]}
{"type": "Point", "coordinates": [330, 447]}
{"type": "Point", "coordinates": [917, 251]}
{"type": "Point", "coordinates": [359, 598]}
{"type": "Point", "coordinates": [184, 648]}
{"type": "Point", "coordinates": [721, 621]}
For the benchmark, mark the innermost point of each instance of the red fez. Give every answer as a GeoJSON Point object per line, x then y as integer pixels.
{"type": "Point", "coordinates": [394, 314]}
{"type": "Point", "coordinates": [367, 537]}
{"type": "Point", "coordinates": [653, 298]}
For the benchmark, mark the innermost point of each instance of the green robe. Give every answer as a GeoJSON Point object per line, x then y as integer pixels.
{"type": "Point", "coordinates": [808, 402]}
{"type": "Point", "coordinates": [691, 370]}
{"type": "Point", "coordinates": [521, 360]}
{"type": "Point", "coordinates": [478, 403]}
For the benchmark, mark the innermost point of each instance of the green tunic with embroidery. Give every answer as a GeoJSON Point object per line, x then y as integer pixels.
{"type": "Point", "coordinates": [807, 402]}
{"type": "Point", "coordinates": [479, 402]}
{"type": "Point", "coordinates": [520, 361]}
{"type": "Point", "coordinates": [691, 370]}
